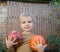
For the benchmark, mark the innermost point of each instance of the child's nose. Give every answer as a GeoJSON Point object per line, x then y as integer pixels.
{"type": "Point", "coordinates": [27, 24]}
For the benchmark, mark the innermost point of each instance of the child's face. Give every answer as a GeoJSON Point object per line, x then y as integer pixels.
{"type": "Point", "coordinates": [26, 23]}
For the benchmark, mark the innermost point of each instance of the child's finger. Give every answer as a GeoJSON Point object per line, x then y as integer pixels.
{"type": "Point", "coordinates": [14, 39]}
{"type": "Point", "coordinates": [6, 39]}
{"type": "Point", "coordinates": [34, 44]}
{"type": "Point", "coordinates": [37, 41]}
{"type": "Point", "coordinates": [41, 42]}
{"type": "Point", "coordinates": [10, 38]}
{"type": "Point", "coordinates": [15, 43]}
{"type": "Point", "coordinates": [45, 45]}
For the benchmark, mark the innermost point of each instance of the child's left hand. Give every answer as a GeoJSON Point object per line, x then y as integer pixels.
{"type": "Point", "coordinates": [39, 47]}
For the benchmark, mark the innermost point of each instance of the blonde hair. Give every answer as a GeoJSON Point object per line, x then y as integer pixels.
{"type": "Point", "coordinates": [26, 15]}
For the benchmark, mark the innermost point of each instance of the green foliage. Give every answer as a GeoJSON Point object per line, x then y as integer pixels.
{"type": "Point", "coordinates": [55, 2]}
{"type": "Point", "coordinates": [54, 41]}
{"type": "Point", "coordinates": [2, 47]}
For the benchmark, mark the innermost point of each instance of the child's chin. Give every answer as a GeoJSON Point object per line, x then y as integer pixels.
{"type": "Point", "coordinates": [27, 30]}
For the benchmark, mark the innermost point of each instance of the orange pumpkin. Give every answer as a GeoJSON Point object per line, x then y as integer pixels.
{"type": "Point", "coordinates": [34, 39]}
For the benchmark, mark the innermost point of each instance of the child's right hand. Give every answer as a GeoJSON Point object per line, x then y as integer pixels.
{"type": "Point", "coordinates": [10, 42]}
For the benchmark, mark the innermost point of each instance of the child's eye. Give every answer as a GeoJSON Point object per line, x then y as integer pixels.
{"type": "Point", "coordinates": [24, 22]}
{"type": "Point", "coordinates": [29, 21]}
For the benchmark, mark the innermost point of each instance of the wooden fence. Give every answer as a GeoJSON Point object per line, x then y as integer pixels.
{"type": "Point", "coordinates": [45, 19]}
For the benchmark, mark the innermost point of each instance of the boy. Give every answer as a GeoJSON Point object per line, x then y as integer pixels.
{"type": "Point", "coordinates": [26, 24]}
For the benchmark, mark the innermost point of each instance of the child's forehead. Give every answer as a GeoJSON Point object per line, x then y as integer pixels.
{"type": "Point", "coordinates": [25, 18]}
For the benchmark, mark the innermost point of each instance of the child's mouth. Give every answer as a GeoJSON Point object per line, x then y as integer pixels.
{"type": "Point", "coordinates": [27, 27]}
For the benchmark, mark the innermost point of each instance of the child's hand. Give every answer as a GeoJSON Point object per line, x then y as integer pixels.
{"type": "Point", "coordinates": [39, 47]}
{"type": "Point", "coordinates": [10, 42]}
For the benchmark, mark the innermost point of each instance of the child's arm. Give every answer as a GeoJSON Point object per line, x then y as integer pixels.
{"type": "Point", "coordinates": [10, 49]}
